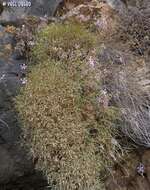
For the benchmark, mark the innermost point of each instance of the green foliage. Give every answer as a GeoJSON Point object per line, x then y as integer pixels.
{"type": "Point", "coordinates": [63, 122]}
{"type": "Point", "coordinates": [63, 42]}
{"type": "Point", "coordinates": [72, 146]}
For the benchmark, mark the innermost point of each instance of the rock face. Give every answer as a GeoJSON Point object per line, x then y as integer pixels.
{"type": "Point", "coordinates": [117, 4]}
{"type": "Point", "coordinates": [13, 13]}
{"type": "Point", "coordinates": [13, 160]}
{"type": "Point", "coordinates": [97, 16]}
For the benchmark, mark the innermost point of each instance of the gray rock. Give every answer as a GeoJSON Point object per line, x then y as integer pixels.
{"type": "Point", "coordinates": [118, 5]}
{"type": "Point", "coordinates": [38, 8]}
{"type": "Point", "coordinates": [6, 165]}
{"type": "Point", "coordinates": [14, 163]}
{"type": "Point", "coordinates": [14, 160]}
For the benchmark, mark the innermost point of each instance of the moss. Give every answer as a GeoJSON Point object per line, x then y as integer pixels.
{"type": "Point", "coordinates": [72, 149]}
{"type": "Point", "coordinates": [63, 123]}
{"type": "Point", "coordinates": [63, 42]}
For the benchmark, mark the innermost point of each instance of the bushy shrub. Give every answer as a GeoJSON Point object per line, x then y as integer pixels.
{"type": "Point", "coordinates": [127, 79]}
{"type": "Point", "coordinates": [72, 148]}
{"type": "Point", "coordinates": [63, 42]}
{"type": "Point", "coordinates": [135, 31]}
{"type": "Point", "coordinates": [131, 95]}
{"type": "Point", "coordinates": [64, 124]}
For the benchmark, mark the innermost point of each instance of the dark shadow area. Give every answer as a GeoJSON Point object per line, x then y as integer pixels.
{"type": "Point", "coordinates": [30, 181]}
{"type": "Point", "coordinates": [17, 168]}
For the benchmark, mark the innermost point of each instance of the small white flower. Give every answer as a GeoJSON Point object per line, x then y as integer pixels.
{"type": "Point", "coordinates": [31, 43]}
{"type": "Point", "coordinates": [114, 142]}
{"type": "Point", "coordinates": [101, 23]}
{"type": "Point", "coordinates": [104, 91]}
{"type": "Point", "coordinates": [91, 61]}
{"type": "Point", "coordinates": [4, 4]}
{"type": "Point", "coordinates": [141, 169]}
{"type": "Point", "coordinates": [84, 18]}
{"type": "Point", "coordinates": [23, 66]}
{"type": "Point", "coordinates": [23, 80]}
{"type": "Point", "coordinates": [121, 59]}
{"type": "Point", "coordinates": [2, 77]}
{"type": "Point", "coordinates": [98, 23]}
